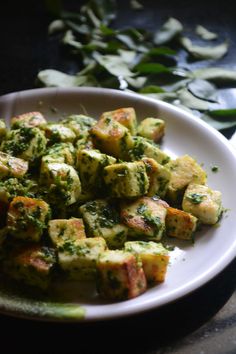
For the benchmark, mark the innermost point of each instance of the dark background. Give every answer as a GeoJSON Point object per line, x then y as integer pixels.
{"type": "Point", "coordinates": [27, 49]}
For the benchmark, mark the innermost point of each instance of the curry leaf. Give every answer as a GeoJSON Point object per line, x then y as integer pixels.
{"type": "Point", "coordinates": [200, 52]}
{"type": "Point", "coordinates": [152, 89]}
{"type": "Point", "coordinates": [203, 89]}
{"type": "Point", "coordinates": [135, 5]}
{"type": "Point", "coordinates": [216, 75]}
{"type": "Point", "coordinates": [161, 51]}
{"type": "Point", "coordinates": [190, 101]}
{"type": "Point", "coordinates": [56, 26]}
{"type": "Point", "coordinates": [205, 34]}
{"type": "Point", "coordinates": [54, 78]}
{"type": "Point", "coordinates": [114, 64]}
{"type": "Point", "coordinates": [151, 68]}
{"type": "Point", "coordinates": [136, 82]}
{"type": "Point", "coordinates": [221, 118]}
{"type": "Point", "coordinates": [169, 31]}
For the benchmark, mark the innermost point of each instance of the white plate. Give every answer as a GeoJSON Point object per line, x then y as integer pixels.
{"type": "Point", "coordinates": [191, 265]}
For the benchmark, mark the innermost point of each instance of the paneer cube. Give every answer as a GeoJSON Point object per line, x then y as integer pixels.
{"type": "Point", "coordinates": [61, 153]}
{"type": "Point", "coordinates": [63, 181]}
{"type": "Point", "coordinates": [27, 218]}
{"type": "Point", "coordinates": [12, 166]}
{"type": "Point", "coordinates": [31, 263]}
{"type": "Point", "coordinates": [180, 224]}
{"type": "Point", "coordinates": [120, 276]}
{"type": "Point", "coordinates": [154, 258]}
{"type": "Point", "coordinates": [112, 138]}
{"type": "Point", "coordinates": [58, 133]}
{"type": "Point", "coordinates": [78, 258]}
{"type": "Point", "coordinates": [80, 124]}
{"type": "Point", "coordinates": [28, 120]}
{"type": "Point", "coordinates": [152, 128]}
{"type": "Point", "coordinates": [61, 230]}
{"type": "Point", "coordinates": [159, 177]}
{"type": "Point", "coordinates": [3, 129]}
{"type": "Point", "coordinates": [145, 148]}
{"type": "Point", "coordinates": [126, 179]}
{"type": "Point", "coordinates": [203, 202]}
{"type": "Point", "coordinates": [14, 187]}
{"type": "Point", "coordinates": [145, 218]}
{"type": "Point", "coordinates": [102, 219]}
{"type": "Point", "coordinates": [90, 164]}
{"type": "Point", "coordinates": [184, 170]}
{"type": "Point", "coordinates": [26, 143]}
{"type": "Point", "coordinates": [125, 116]}
{"type": "Point", "coordinates": [84, 143]}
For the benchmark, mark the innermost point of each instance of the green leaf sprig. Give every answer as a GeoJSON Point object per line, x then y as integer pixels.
{"type": "Point", "coordinates": [137, 60]}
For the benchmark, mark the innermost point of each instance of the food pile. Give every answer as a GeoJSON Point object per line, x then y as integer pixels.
{"type": "Point", "coordinates": [92, 199]}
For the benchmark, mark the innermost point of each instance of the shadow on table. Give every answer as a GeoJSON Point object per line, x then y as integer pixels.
{"type": "Point", "coordinates": [139, 334]}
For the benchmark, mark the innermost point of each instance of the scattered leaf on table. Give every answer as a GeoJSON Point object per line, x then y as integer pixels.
{"type": "Point", "coordinates": [151, 68]}
{"type": "Point", "coordinates": [56, 26]}
{"type": "Point", "coordinates": [217, 75]}
{"type": "Point", "coordinates": [69, 39]}
{"type": "Point", "coordinates": [165, 96]}
{"type": "Point", "coordinates": [205, 34]}
{"type": "Point", "coordinates": [136, 5]}
{"type": "Point", "coordinates": [203, 89]}
{"type": "Point", "coordinates": [200, 52]}
{"type": "Point", "coordinates": [190, 101]}
{"type": "Point", "coordinates": [152, 89]}
{"type": "Point", "coordinates": [114, 64]}
{"type": "Point", "coordinates": [55, 78]}
{"type": "Point", "coordinates": [169, 31]}
{"type": "Point", "coordinates": [161, 51]}
{"type": "Point", "coordinates": [104, 10]}
{"type": "Point", "coordinates": [130, 43]}
{"type": "Point", "coordinates": [128, 56]}
{"type": "Point", "coordinates": [221, 118]}
{"type": "Point", "coordinates": [136, 82]}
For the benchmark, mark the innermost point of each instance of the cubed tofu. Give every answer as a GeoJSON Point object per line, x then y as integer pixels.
{"type": "Point", "coordinates": [126, 179]}
{"type": "Point", "coordinates": [159, 177]}
{"type": "Point", "coordinates": [111, 138]}
{"type": "Point", "coordinates": [120, 276]}
{"type": "Point", "coordinates": [25, 143]}
{"type": "Point", "coordinates": [59, 133]}
{"type": "Point", "coordinates": [31, 263]}
{"type": "Point", "coordinates": [28, 120]}
{"type": "Point", "coordinates": [27, 218]}
{"type": "Point", "coordinates": [80, 124]}
{"type": "Point", "coordinates": [152, 128]}
{"type": "Point", "coordinates": [78, 258]}
{"type": "Point", "coordinates": [203, 202]}
{"type": "Point", "coordinates": [125, 116]}
{"type": "Point", "coordinates": [61, 230]}
{"type": "Point", "coordinates": [184, 170]}
{"type": "Point", "coordinates": [3, 129]}
{"type": "Point", "coordinates": [180, 224]}
{"type": "Point", "coordinates": [145, 148]}
{"type": "Point", "coordinates": [154, 257]}
{"type": "Point", "coordinates": [145, 218]}
{"type": "Point", "coordinates": [102, 219]}
{"type": "Point", "coordinates": [90, 164]}
{"type": "Point", "coordinates": [63, 181]}
{"type": "Point", "coordinates": [12, 166]}
{"type": "Point", "coordinates": [60, 152]}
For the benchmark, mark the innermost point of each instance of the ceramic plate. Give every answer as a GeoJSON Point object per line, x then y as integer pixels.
{"type": "Point", "coordinates": [191, 265]}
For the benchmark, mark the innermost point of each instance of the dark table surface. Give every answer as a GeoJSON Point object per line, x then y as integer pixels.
{"type": "Point", "coordinates": [202, 322]}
